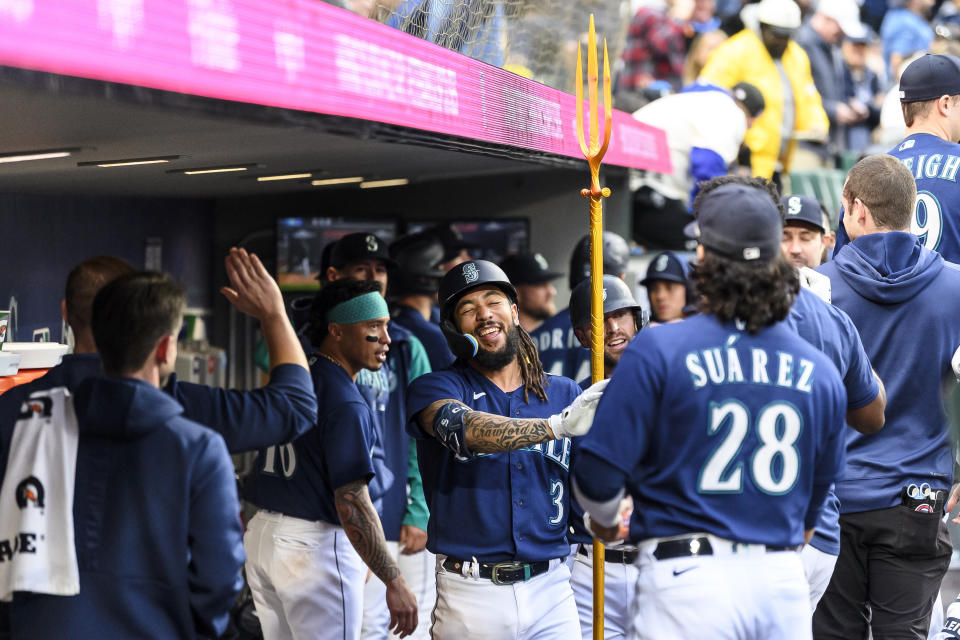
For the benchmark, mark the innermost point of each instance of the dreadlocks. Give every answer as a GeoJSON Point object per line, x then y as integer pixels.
{"type": "Point", "coordinates": [531, 370]}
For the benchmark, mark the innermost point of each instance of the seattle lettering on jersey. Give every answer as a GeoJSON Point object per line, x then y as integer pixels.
{"type": "Point", "coordinates": [727, 365]}
{"type": "Point", "coordinates": [557, 451]}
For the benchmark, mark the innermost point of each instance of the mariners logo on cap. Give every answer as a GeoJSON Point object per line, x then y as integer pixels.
{"type": "Point", "coordinates": [661, 263]}
{"type": "Point", "coordinates": [30, 490]}
{"type": "Point", "coordinates": [470, 273]}
{"type": "Point", "coordinates": [604, 294]}
{"type": "Point", "coordinates": [794, 205]}
{"type": "Point", "coordinates": [541, 261]}
{"type": "Point", "coordinates": [371, 243]}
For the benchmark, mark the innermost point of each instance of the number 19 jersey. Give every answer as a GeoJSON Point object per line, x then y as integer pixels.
{"type": "Point", "coordinates": [723, 432]}
{"type": "Point", "coordinates": [935, 164]}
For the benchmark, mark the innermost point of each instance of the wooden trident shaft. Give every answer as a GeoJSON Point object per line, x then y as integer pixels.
{"type": "Point", "coordinates": [594, 153]}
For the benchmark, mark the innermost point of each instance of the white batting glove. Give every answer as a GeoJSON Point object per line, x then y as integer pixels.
{"type": "Point", "coordinates": [577, 418]}
{"type": "Point", "coordinates": [816, 282]}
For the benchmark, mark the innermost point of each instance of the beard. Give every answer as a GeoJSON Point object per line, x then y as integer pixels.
{"type": "Point", "coordinates": [496, 360]}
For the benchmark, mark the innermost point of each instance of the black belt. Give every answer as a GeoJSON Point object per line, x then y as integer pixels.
{"type": "Point", "coordinates": [698, 546]}
{"type": "Point", "coordinates": [501, 572]}
{"type": "Point", "coordinates": [614, 555]}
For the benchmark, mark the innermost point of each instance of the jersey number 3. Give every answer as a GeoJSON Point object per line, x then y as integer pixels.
{"type": "Point", "coordinates": [774, 464]}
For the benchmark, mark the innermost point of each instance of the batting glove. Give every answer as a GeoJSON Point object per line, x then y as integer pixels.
{"type": "Point", "coordinates": [577, 418]}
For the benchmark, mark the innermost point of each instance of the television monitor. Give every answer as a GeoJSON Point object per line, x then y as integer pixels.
{"type": "Point", "coordinates": [490, 239]}
{"type": "Point", "coordinates": [300, 243]}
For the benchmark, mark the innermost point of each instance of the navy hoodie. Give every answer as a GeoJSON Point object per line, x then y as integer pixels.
{"type": "Point", "coordinates": [156, 520]}
{"type": "Point", "coordinates": [905, 301]}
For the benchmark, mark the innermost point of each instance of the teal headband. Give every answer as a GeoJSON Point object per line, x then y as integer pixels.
{"type": "Point", "coordinates": [360, 309]}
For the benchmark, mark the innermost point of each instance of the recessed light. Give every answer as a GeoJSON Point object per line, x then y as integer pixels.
{"type": "Point", "coordinates": [40, 154]}
{"type": "Point", "coordinates": [376, 184]}
{"type": "Point", "coordinates": [331, 181]}
{"type": "Point", "coordinates": [196, 171]}
{"type": "Point", "coordinates": [288, 176]}
{"type": "Point", "coordinates": [128, 162]}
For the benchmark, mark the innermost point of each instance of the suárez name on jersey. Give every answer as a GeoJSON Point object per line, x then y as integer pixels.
{"type": "Point", "coordinates": [728, 365]}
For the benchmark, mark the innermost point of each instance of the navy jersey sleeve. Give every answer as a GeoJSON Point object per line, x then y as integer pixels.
{"type": "Point", "coordinates": [831, 450]}
{"type": "Point", "coordinates": [215, 538]}
{"type": "Point", "coordinates": [859, 381]}
{"type": "Point", "coordinates": [346, 444]}
{"type": "Point", "coordinates": [274, 414]}
{"type": "Point", "coordinates": [426, 390]}
{"type": "Point", "coordinates": [620, 417]}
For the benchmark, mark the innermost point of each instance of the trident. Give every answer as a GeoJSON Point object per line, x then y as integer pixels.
{"type": "Point", "coordinates": [594, 153]}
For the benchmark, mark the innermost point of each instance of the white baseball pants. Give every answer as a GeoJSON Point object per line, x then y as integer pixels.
{"type": "Point", "coordinates": [541, 608]}
{"type": "Point", "coordinates": [619, 590]}
{"type": "Point", "coordinates": [818, 567]}
{"type": "Point", "coordinates": [306, 578]}
{"type": "Point", "coordinates": [742, 592]}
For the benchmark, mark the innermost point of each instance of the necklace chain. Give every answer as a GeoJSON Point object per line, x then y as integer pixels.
{"type": "Point", "coordinates": [332, 359]}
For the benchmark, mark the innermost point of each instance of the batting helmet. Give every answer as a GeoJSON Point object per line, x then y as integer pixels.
{"type": "Point", "coordinates": [616, 295]}
{"type": "Point", "coordinates": [418, 257]}
{"type": "Point", "coordinates": [616, 253]}
{"type": "Point", "coordinates": [457, 282]}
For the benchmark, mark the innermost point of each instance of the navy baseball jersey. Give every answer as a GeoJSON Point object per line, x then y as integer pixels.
{"type": "Point", "coordinates": [720, 431]}
{"type": "Point", "coordinates": [298, 479]}
{"type": "Point", "coordinates": [494, 507]}
{"type": "Point", "coordinates": [560, 352]}
{"type": "Point", "coordinates": [428, 333]}
{"type": "Point", "coordinates": [934, 163]}
{"type": "Point", "coordinates": [831, 330]}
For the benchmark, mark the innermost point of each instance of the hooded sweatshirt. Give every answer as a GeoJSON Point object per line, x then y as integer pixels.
{"type": "Point", "coordinates": [905, 300]}
{"type": "Point", "coordinates": [156, 521]}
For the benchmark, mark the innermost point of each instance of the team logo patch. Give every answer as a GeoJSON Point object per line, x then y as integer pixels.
{"type": "Point", "coordinates": [924, 508]}
{"type": "Point", "coordinates": [794, 205]}
{"type": "Point", "coordinates": [907, 144]}
{"type": "Point", "coordinates": [470, 273]}
{"type": "Point", "coordinates": [30, 490]}
{"type": "Point", "coordinates": [661, 264]}
{"type": "Point", "coordinates": [371, 243]}
{"type": "Point", "coordinates": [751, 253]}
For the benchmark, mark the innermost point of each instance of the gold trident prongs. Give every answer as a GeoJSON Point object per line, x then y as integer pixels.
{"type": "Point", "coordinates": [594, 153]}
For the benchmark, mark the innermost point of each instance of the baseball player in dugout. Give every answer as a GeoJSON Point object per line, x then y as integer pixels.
{"type": "Point", "coordinates": [402, 510]}
{"type": "Point", "coordinates": [668, 288]}
{"type": "Point", "coordinates": [728, 456]}
{"type": "Point", "coordinates": [622, 319]}
{"type": "Point", "coordinates": [532, 278]}
{"type": "Point", "coordinates": [894, 546]}
{"type": "Point", "coordinates": [151, 546]}
{"type": "Point", "coordinates": [560, 352]}
{"type": "Point", "coordinates": [278, 412]}
{"type": "Point", "coordinates": [318, 525]}
{"type": "Point", "coordinates": [930, 100]}
{"type": "Point", "coordinates": [493, 441]}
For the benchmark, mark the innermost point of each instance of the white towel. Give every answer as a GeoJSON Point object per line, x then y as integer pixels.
{"type": "Point", "coordinates": [37, 551]}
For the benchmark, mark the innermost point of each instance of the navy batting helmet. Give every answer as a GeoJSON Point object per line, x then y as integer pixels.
{"type": "Point", "coordinates": [458, 281]}
{"type": "Point", "coordinates": [418, 258]}
{"type": "Point", "coordinates": [616, 295]}
{"type": "Point", "coordinates": [616, 253]}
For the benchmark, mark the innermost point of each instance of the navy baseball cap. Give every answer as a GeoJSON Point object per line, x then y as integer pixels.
{"type": "Point", "coordinates": [750, 97]}
{"type": "Point", "coordinates": [739, 222]}
{"type": "Point", "coordinates": [528, 268]}
{"type": "Point", "coordinates": [666, 266]}
{"type": "Point", "coordinates": [930, 77]}
{"type": "Point", "coordinates": [803, 209]}
{"type": "Point", "coordinates": [354, 247]}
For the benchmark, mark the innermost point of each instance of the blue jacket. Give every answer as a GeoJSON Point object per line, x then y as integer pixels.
{"type": "Point", "coordinates": [905, 300]}
{"type": "Point", "coordinates": [156, 519]}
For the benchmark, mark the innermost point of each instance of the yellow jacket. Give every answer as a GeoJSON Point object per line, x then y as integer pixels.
{"type": "Point", "coordinates": [743, 58]}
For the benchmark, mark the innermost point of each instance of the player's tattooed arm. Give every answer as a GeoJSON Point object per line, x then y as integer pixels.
{"type": "Point", "coordinates": [362, 524]}
{"type": "Point", "coordinates": [491, 433]}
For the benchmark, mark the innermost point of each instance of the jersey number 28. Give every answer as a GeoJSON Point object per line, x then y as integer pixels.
{"type": "Point", "coordinates": [773, 465]}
